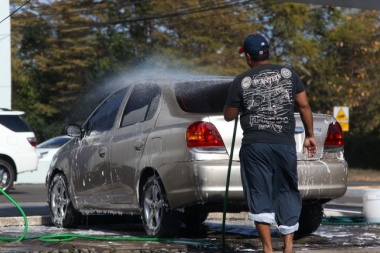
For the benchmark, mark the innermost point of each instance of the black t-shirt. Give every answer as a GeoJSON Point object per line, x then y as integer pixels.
{"type": "Point", "coordinates": [265, 96]}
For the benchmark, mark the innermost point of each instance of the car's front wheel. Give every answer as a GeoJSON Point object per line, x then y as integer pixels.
{"type": "Point", "coordinates": [63, 213]}
{"type": "Point", "coordinates": [157, 217]}
{"type": "Point", "coordinates": [7, 175]}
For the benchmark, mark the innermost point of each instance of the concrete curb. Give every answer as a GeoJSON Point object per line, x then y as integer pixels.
{"type": "Point", "coordinates": [19, 221]}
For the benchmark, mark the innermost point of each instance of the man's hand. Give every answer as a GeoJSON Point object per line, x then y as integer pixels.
{"type": "Point", "coordinates": [310, 145]}
{"type": "Point", "coordinates": [230, 113]}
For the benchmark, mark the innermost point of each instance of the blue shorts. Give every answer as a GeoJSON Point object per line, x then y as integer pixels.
{"type": "Point", "coordinates": [270, 182]}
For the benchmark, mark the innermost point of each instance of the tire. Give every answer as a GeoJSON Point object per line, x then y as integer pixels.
{"type": "Point", "coordinates": [157, 217]}
{"type": "Point", "coordinates": [194, 219]}
{"type": "Point", "coordinates": [63, 213]}
{"type": "Point", "coordinates": [310, 220]}
{"type": "Point", "coordinates": [7, 175]}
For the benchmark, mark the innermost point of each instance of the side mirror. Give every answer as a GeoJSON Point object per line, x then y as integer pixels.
{"type": "Point", "coordinates": [74, 130]}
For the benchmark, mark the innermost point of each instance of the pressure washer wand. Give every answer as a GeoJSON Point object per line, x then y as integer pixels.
{"type": "Point", "coordinates": [228, 182]}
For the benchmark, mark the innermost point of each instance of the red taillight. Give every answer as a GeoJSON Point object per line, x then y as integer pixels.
{"type": "Point", "coordinates": [334, 137]}
{"type": "Point", "coordinates": [203, 134]}
{"type": "Point", "coordinates": [32, 141]}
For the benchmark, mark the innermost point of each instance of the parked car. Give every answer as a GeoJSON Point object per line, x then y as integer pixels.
{"type": "Point", "coordinates": [17, 147]}
{"type": "Point", "coordinates": [46, 150]}
{"type": "Point", "coordinates": [160, 148]}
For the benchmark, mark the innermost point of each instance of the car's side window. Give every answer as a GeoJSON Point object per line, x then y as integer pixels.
{"type": "Point", "coordinates": [104, 117]}
{"type": "Point", "coordinates": [153, 106]}
{"type": "Point", "coordinates": [142, 105]}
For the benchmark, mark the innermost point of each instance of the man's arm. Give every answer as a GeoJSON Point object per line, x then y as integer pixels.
{"type": "Point", "coordinates": [307, 119]}
{"type": "Point", "coordinates": [230, 113]}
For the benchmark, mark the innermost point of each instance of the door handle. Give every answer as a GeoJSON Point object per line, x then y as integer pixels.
{"type": "Point", "coordinates": [138, 144]}
{"type": "Point", "coordinates": [102, 152]}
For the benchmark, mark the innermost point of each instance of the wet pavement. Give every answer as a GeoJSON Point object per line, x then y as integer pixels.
{"type": "Point", "coordinates": [343, 230]}
{"type": "Point", "coordinates": [240, 236]}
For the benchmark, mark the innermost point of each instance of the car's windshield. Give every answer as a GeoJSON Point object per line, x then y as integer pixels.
{"type": "Point", "coordinates": [54, 143]}
{"type": "Point", "coordinates": [202, 96]}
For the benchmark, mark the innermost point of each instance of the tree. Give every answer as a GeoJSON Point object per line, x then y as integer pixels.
{"type": "Point", "coordinates": [53, 47]}
{"type": "Point", "coordinates": [205, 35]}
{"type": "Point", "coordinates": [356, 80]}
{"type": "Point", "coordinates": [65, 50]}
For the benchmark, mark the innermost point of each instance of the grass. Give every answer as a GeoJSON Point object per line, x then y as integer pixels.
{"type": "Point", "coordinates": [355, 174]}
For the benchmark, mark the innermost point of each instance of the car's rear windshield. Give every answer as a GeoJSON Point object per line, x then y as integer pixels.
{"type": "Point", "coordinates": [15, 123]}
{"type": "Point", "coordinates": [202, 96]}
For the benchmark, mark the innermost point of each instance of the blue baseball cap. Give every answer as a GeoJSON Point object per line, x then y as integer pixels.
{"type": "Point", "coordinates": [255, 44]}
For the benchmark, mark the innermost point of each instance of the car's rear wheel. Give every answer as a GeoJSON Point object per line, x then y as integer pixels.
{"type": "Point", "coordinates": [310, 219]}
{"type": "Point", "coordinates": [63, 213]}
{"type": "Point", "coordinates": [7, 175]}
{"type": "Point", "coordinates": [157, 217]}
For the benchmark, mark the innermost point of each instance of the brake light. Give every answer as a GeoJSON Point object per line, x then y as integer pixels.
{"type": "Point", "coordinates": [334, 137]}
{"type": "Point", "coordinates": [203, 134]}
{"type": "Point", "coordinates": [32, 141]}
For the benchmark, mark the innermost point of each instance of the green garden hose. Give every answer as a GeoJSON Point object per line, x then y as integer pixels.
{"type": "Point", "coordinates": [346, 220]}
{"type": "Point", "coordinates": [22, 237]}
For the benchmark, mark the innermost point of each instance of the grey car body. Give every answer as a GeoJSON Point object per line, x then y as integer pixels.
{"type": "Point", "coordinates": [160, 148]}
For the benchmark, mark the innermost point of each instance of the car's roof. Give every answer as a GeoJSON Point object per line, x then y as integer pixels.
{"type": "Point", "coordinates": [167, 78]}
{"type": "Point", "coordinates": [4, 111]}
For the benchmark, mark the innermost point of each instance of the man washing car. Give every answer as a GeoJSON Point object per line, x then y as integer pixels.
{"type": "Point", "coordinates": [266, 95]}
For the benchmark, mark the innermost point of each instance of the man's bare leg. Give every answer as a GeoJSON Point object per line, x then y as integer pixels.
{"type": "Point", "coordinates": [265, 236]}
{"type": "Point", "coordinates": [288, 243]}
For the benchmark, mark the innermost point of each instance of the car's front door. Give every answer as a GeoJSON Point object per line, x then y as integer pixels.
{"type": "Point", "coordinates": [91, 176]}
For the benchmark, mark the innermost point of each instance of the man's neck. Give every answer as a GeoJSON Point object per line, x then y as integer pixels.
{"type": "Point", "coordinates": [259, 63]}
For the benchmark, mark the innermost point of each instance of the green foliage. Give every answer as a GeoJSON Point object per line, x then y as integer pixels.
{"type": "Point", "coordinates": [356, 78]}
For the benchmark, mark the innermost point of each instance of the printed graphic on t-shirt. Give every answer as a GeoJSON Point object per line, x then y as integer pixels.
{"type": "Point", "coordinates": [269, 96]}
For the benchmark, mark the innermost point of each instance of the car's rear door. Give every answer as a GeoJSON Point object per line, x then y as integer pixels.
{"type": "Point", "coordinates": [129, 140]}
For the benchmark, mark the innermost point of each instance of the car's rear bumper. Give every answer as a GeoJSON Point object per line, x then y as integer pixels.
{"type": "Point", "coordinates": [322, 179]}
{"type": "Point", "coordinates": [204, 182]}
{"type": "Point", "coordinates": [26, 161]}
